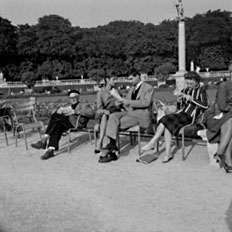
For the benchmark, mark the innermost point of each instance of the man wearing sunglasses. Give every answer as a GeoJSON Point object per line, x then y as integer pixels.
{"type": "Point", "coordinates": [61, 120]}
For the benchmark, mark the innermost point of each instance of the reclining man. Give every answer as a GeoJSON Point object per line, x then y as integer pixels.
{"type": "Point", "coordinates": [136, 103]}
{"type": "Point", "coordinates": [62, 120]}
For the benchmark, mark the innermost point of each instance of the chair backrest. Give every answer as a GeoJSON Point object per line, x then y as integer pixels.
{"type": "Point", "coordinates": [25, 110]}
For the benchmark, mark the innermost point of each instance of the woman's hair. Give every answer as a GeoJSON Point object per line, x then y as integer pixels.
{"type": "Point", "coordinates": [192, 76]}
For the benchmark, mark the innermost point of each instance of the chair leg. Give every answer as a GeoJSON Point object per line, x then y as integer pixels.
{"type": "Point", "coordinates": [5, 134]}
{"type": "Point", "coordinates": [139, 143]}
{"type": "Point", "coordinates": [69, 141]}
{"type": "Point", "coordinates": [17, 135]}
{"type": "Point", "coordinates": [25, 137]}
{"type": "Point", "coordinates": [183, 146]}
{"type": "Point", "coordinates": [118, 140]}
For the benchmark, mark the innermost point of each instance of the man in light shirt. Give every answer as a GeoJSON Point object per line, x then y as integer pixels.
{"type": "Point", "coordinates": [136, 103]}
{"type": "Point", "coordinates": [61, 120]}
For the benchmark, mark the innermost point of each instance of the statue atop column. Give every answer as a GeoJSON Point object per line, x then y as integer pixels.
{"type": "Point", "coordinates": [180, 11]}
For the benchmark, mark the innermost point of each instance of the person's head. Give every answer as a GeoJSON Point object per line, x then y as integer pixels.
{"type": "Point", "coordinates": [74, 96]}
{"type": "Point", "coordinates": [135, 77]}
{"type": "Point", "coordinates": [192, 79]}
{"type": "Point", "coordinates": [109, 82]}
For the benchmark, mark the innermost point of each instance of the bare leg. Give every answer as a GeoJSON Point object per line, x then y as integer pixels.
{"type": "Point", "coordinates": [226, 135]}
{"type": "Point", "coordinates": [228, 158]}
{"type": "Point", "coordinates": [152, 142]}
{"type": "Point", "coordinates": [168, 140]}
{"type": "Point", "coordinates": [103, 125]}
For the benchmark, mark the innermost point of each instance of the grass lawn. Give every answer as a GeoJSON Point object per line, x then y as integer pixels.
{"type": "Point", "coordinates": [164, 95]}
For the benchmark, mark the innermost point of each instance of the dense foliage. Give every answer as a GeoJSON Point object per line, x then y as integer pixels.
{"type": "Point", "coordinates": [53, 47]}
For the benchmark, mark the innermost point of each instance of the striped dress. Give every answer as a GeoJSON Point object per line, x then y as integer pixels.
{"type": "Point", "coordinates": [188, 110]}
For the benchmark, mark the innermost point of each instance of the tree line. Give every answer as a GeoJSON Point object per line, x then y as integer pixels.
{"type": "Point", "coordinates": [53, 47]}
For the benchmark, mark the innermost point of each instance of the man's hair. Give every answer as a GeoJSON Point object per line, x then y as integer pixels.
{"type": "Point", "coordinates": [134, 72]}
{"type": "Point", "coordinates": [192, 76]}
{"type": "Point", "coordinates": [73, 91]}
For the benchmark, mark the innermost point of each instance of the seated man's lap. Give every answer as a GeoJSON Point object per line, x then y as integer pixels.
{"type": "Point", "coordinates": [128, 121]}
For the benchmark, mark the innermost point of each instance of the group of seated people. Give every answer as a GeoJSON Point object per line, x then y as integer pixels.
{"type": "Point", "coordinates": [121, 113]}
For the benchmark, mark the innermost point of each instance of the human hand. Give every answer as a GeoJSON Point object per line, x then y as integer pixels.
{"type": "Point", "coordinates": [126, 102]}
{"type": "Point", "coordinates": [118, 103]}
{"type": "Point", "coordinates": [59, 110]}
{"type": "Point", "coordinates": [188, 97]}
{"type": "Point", "coordinates": [107, 112]}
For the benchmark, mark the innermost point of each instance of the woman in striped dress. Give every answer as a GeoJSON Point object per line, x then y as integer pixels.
{"type": "Point", "coordinates": [191, 102]}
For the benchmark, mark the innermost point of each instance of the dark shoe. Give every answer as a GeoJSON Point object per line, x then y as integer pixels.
{"type": "Point", "coordinates": [48, 154]}
{"type": "Point", "coordinates": [228, 168]}
{"type": "Point", "coordinates": [39, 145]}
{"type": "Point", "coordinates": [96, 151]}
{"type": "Point", "coordinates": [108, 158]}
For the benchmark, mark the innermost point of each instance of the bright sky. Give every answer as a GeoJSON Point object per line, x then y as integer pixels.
{"type": "Point", "coordinates": [91, 13]}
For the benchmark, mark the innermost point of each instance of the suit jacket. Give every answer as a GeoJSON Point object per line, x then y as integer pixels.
{"type": "Point", "coordinates": [86, 112]}
{"type": "Point", "coordinates": [140, 108]}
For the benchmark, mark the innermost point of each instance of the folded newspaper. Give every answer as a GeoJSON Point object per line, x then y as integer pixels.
{"type": "Point", "coordinates": [115, 93]}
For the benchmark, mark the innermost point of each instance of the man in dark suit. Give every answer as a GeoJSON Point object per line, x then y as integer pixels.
{"type": "Point", "coordinates": [61, 120]}
{"type": "Point", "coordinates": [136, 103]}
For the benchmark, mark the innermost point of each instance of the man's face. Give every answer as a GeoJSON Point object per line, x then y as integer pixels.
{"type": "Point", "coordinates": [191, 83]}
{"type": "Point", "coordinates": [111, 82]}
{"type": "Point", "coordinates": [73, 98]}
{"type": "Point", "coordinates": [135, 79]}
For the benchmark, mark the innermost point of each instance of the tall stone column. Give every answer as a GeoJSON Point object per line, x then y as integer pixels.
{"type": "Point", "coordinates": [179, 76]}
{"type": "Point", "coordinates": [181, 47]}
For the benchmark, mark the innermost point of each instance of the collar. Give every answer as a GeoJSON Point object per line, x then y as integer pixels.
{"type": "Point", "coordinates": [138, 85]}
{"type": "Point", "coordinates": [74, 105]}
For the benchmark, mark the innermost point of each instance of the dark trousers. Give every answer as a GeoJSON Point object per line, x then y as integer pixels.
{"type": "Point", "coordinates": [57, 125]}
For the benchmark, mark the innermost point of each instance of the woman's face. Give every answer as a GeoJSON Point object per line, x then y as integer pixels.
{"type": "Point", "coordinates": [191, 83]}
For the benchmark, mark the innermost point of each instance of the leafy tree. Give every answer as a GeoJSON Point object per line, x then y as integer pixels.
{"type": "Point", "coordinates": [164, 70]}
{"type": "Point", "coordinates": [29, 79]}
{"type": "Point", "coordinates": [8, 40]}
{"type": "Point", "coordinates": [54, 37]}
{"type": "Point", "coordinates": [97, 74]}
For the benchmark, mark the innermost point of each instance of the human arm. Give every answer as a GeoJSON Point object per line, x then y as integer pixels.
{"type": "Point", "coordinates": [143, 102]}
{"type": "Point", "coordinates": [200, 98]}
{"type": "Point", "coordinates": [222, 97]}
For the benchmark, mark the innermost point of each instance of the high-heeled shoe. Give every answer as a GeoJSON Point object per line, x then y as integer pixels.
{"type": "Point", "coordinates": [220, 159]}
{"type": "Point", "coordinates": [227, 168]}
{"type": "Point", "coordinates": [167, 159]}
{"type": "Point", "coordinates": [148, 147]}
{"type": "Point", "coordinates": [222, 163]}
{"type": "Point", "coordinates": [96, 151]}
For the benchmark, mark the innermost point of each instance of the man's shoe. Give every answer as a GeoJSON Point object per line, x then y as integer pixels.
{"type": "Point", "coordinates": [39, 145]}
{"type": "Point", "coordinates": [108, 158]}
{"type": "Point", "coordinates": [48, 154]}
